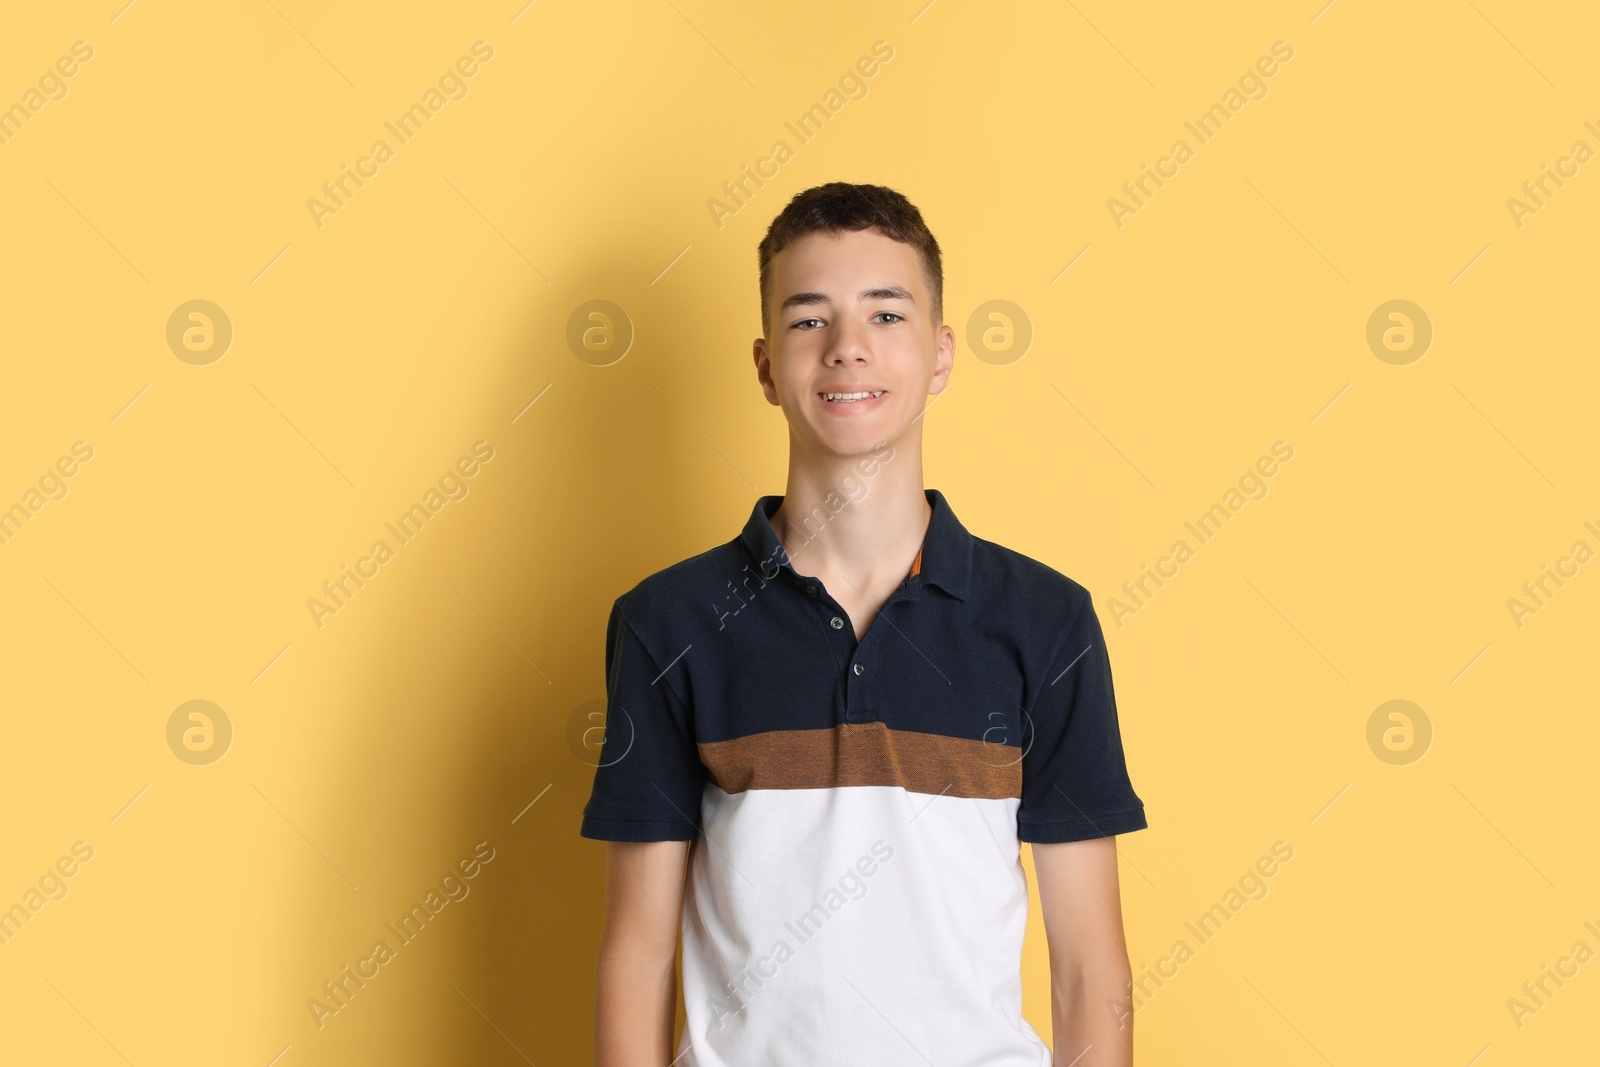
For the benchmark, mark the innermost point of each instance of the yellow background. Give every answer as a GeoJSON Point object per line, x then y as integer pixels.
{"type": "Point", "coordinates": [434, 710]}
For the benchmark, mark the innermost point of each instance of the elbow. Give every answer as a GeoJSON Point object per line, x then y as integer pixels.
{"type": "Point", "coordinates": [1100, 985]}
{"type": "Point", "coordinates": [636, 956]}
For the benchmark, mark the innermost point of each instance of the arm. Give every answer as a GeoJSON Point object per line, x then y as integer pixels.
{"type": "Point", "coordinates": [1090, 979]}
{"type": "Point", "coordinates": [636, 991]}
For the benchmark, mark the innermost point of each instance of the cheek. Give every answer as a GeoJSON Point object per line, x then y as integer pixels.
{"type": "Point", "coordinates": [794, 396]}
{"type": "Point", "coordinates": [792, 383]}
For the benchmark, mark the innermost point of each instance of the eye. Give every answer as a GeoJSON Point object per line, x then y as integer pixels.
{"type": "Point", "coordinates": [892, 314]}
{"type": "Point", "coordinates": [797, 325]}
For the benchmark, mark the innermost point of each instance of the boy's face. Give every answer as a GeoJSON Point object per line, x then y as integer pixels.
{"type": "Point", "coordinates": [851, 313]}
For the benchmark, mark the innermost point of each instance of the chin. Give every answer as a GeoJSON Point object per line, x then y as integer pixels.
{"type": "Point", "coordinates": [859, 441]}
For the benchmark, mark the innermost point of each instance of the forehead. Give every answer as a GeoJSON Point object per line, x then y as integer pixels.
{"type": "Point", "coordinates": [838, 264]}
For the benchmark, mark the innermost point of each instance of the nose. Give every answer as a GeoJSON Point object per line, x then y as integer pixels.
{"type": "Point", "coordinates": [848, 343]}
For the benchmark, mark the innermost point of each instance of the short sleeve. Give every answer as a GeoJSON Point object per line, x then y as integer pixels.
{"type": "Point", "coordinates": [649, 780]}
{"type": "Point", "coordinates": [1075, 781]}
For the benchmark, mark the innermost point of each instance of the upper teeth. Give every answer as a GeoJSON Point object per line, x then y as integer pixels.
{"type": "Point", "coordinates": [851, 396]}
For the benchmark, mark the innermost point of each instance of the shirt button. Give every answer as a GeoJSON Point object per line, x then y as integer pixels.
{"type": "Point", "coordinates": [837, 623]}
{"type": "Point", "coordinates": [859, 668]}
{"type": "Point", "coordinates": [811, 589]}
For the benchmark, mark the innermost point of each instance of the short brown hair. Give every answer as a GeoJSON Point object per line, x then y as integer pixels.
{"type": "Point", "coordinates": [841, 206]}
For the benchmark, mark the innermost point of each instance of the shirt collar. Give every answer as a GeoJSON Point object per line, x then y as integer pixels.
{"type": "Point", "coordinates": [946, 549]}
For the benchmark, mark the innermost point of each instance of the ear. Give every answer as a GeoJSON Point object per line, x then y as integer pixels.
{"type": "Point", "coordinates": [944, 360]}
{"type": "Point", "coordinates": [764, 370]}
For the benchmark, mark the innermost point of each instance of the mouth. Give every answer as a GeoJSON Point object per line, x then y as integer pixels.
{"type": "Point", "coordinates": [853, 398]}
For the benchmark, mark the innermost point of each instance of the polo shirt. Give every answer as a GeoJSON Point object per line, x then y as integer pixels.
{"type": "Point", "coordinates": [855, 892]}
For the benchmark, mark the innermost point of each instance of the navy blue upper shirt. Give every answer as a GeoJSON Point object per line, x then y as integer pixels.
{"type": "Point", "coordinates": [984, 676]}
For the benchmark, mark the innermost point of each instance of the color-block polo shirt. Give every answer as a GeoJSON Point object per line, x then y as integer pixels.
{"type": "Point", "coordinates": [855, 891]}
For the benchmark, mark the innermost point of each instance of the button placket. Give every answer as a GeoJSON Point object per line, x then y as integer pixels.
{"type": "Point", "coordinates": [860, 706]}
{"type": "Point", "coordinates": [829, 610]}
{"type": "Point", "coordinates": [848, 646]}
{"type": "Point", "coordinates": [858, 700]}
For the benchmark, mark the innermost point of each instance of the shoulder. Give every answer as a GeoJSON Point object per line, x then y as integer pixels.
{"type": "Point", "coordinates": [672, 598]}
{"type": "Point", "coordinates": [1035, 594]}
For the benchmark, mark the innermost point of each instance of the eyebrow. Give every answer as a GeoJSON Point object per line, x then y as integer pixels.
{"type": "Point", "coordinates": [890, 292]}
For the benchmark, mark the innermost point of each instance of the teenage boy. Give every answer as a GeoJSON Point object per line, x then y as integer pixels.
{"type": "Point", "coordinates": [854, 711]}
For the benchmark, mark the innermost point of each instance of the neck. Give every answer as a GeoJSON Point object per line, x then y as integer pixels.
{"type": "Point", "coordinates": [838, 519]}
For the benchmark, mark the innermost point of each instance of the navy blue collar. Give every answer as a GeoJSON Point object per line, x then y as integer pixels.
{"type": "Point", "coordinates": [946, 550]}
